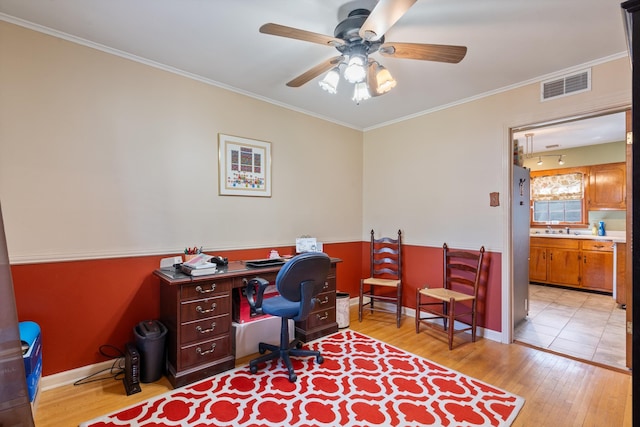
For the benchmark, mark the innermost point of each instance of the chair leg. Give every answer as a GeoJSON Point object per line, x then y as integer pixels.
{"type": "Point", "coordinates": [398, 306]}
{"type": "Point", "coordinates": [417, 316]}
{"type": "Point", "coordinates": [451, 320]}
{"type": "Point", "coordinates": [445, 311]}
{"type": "Point", "coordinates": [360, 299]}
{"type": "Point", "coordinates": [473, 321]}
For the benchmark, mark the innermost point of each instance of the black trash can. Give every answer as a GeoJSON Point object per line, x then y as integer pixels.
{"type": "Point", "coordinates": [150, 338]}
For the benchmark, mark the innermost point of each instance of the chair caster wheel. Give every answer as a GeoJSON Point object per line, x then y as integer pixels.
{"type": "Point", "coordinates": [261, 349]}
{"type": "Point", "coordinates": [293, 378]}
{"type": "Point", "coordinates": [320, 360]}
{"type": "Point", "coordinates": [299, 345]}
{"type": "Point", "coordinates": [253, 369]}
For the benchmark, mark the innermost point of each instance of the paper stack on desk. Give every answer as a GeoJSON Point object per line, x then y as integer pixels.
{"type": "Point", "coordinates": [199, 265]}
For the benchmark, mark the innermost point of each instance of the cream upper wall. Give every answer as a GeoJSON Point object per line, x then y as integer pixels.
{"type": "Point", "coordinates": [103, 156]}
{"type": "Point", "coordinates": [439, 168]}
{"type": "Point", "coordinates": [613, 152]}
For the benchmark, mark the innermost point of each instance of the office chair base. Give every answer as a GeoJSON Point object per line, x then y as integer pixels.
{"type": "Point", "coordinates": [276, 352]}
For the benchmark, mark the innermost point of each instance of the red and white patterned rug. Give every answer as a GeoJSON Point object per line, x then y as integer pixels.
{"type": "Point", "coordinates": [362, 382]}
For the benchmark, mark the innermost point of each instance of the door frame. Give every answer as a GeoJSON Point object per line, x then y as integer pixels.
{"type": "Point", "coordinates": [507, 318]}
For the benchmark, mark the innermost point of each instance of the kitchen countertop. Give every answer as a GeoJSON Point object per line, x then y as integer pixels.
{"type": "Point", "coordinates": [611, 236]}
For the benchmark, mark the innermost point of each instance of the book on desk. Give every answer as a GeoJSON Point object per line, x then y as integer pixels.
{"type": "Point", "coordinates": [198, 270]}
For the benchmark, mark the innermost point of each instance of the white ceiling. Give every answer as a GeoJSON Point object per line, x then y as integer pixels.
{"type": "Point", "coordinates": [510, 42]}
{"type": "Point", "coordinates": [573, 133]}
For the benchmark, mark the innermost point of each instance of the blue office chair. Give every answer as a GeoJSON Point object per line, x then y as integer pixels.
{"type": "Point", "coordinates": [298, 282]}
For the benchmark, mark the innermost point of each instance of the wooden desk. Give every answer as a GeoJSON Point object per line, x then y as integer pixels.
{"type": "Point", "coordinates": [197, 313]}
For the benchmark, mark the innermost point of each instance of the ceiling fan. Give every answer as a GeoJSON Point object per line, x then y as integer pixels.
{"type": "Point", "coordinates": [359, 35]}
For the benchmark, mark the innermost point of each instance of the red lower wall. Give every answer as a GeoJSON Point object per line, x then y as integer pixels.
{"type": "Point", "coordinates": [82, 305]}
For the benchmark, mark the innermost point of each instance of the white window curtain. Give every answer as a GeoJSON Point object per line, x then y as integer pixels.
{"type": "Point", "coordinates": [566, 186]}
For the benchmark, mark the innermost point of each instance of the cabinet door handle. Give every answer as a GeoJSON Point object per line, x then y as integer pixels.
{"type": "Point", "coordinates": [203, 311]}
{"type": "Point", "coordinates": [325, 317]}
{"type": "Point", "coordinates": [324, 301]}
{"type": "Point", "coordinates": [206, 331]}
{"type": "Point", "coordinates": [326, 285]}
{"type": "Point", "coordinates": [203, 291]}
{"type": "Point", "coordinates": [551, 256]}
{"type": "Point", "coordinates": [202, 353]}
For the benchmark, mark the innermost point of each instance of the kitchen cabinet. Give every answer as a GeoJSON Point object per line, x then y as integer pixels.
{"type": "Point", "coordinates": [607, 187]}
{"type": "Point", "coordinates": [537, 263]}
{"type": "Point", "coordinates": [597, 265]}
{"type": "Point", "coordinates": [578, 263]}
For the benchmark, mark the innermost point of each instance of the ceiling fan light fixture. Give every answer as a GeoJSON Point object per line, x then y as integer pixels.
{"type": "Point", "coordinates": [331, 80]}
{"type": "Point", "coordinates": [356, 70]}
{"type": "Point", "coordinates": [384, 80]}
{"type": "Point", "coordinates": [560, 161]}
{"type": "Point", "coordinates": [360, 92]}
{"type": "Point", "coordinates": [539, 161]}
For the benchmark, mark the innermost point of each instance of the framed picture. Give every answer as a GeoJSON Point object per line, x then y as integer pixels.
{"type": "Point", "coordinates": [244, 166]}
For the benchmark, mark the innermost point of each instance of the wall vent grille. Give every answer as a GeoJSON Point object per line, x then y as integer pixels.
{"type": "Point", "coordinates": [566, 85]}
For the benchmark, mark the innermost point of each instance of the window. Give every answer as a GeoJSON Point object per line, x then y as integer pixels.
{"type": "Point", "coordinates": [557, 196]}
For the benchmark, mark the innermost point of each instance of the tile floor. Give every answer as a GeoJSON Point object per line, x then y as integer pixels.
{"type": "Point", "coordinates": [580, 324]}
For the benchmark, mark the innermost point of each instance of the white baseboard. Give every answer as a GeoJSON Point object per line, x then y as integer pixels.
{"type": "Point", "coordinates": [411, 312]}
{"type": "Point", "coordinates": [73, 375]}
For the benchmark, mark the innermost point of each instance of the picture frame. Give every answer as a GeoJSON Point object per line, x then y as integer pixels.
{"type": "Point", "coordinates": [244, 166]}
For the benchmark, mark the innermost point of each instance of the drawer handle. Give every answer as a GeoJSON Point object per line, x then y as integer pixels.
{"type": "Point", "coordinates": [203, 311]}
{"type": "Point", "coordinates": [202, 291]}
{"type": "Point", "coordinates": [206, 331]}
{"type": "Point", "coordinates": [202, 353]}
{"type": "Point", "coordinates": [324, 301]}
{"type": "Point", "coordinates": [325, 317]}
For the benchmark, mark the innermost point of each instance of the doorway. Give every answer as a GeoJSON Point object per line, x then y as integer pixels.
{"type": "Point", "coordinates": [556, 316]}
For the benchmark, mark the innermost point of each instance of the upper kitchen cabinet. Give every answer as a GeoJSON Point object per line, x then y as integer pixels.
{"type": "Point", "coordinates": [607, 187]}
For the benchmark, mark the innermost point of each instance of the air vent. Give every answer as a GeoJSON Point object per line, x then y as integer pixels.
{"type": "Point", "coordinates": [566, 85]}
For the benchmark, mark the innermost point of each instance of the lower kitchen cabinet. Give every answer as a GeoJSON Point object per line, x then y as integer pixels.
{"type": "Point", "coordinates": [579, 263]}
{"type": "Point", "coordinates": [597, 265]}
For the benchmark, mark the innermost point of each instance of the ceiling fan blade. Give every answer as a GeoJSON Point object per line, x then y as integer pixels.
{"type": "Point", "coordinates": [315, 71]}
{"type": "Point", "coordinates": [382, 17]}
{"type": "Point", "coordinates": [294, 33]}
{"type": "Point", "coordinates": [425, 52]}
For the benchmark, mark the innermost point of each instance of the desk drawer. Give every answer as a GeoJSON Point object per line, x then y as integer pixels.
{"type": "Point", "coordinates": [325, 301]}
{"type": "Point", "coordinates": [329, 285]}
{"type": "Point", "coordinates": [204, 308]}
{"type": "Point", "coordinates": [204, 329]}
{"type": "Point", "coordinates": [205, 351]}
{"type": "Point", "coordinates": [205, 288]}
{"type": "Point", "coordinates": [595, 245]}
{"type": "Point", "coordinates": [320, 318]}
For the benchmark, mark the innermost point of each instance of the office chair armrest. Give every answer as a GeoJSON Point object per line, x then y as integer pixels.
{"type": "Point", "coordinates": [255, 291]}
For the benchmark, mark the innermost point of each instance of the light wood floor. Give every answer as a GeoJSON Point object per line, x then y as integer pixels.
{"type": "Point", "coordinates": [559, 391]}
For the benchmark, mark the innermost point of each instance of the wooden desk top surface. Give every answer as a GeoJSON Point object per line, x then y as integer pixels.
{"type": "Point", "coordinates": [233, 269]}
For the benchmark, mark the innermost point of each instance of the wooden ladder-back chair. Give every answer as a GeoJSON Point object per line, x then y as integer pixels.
{"type": "Point", "coordinates": [384, 283]}
{"type": "Point", "coordinates": [456, 300]}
